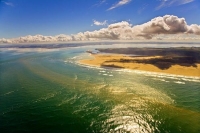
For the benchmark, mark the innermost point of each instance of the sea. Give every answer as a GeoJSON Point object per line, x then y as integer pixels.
{"type": "Point", "coordinates": [48, 90]}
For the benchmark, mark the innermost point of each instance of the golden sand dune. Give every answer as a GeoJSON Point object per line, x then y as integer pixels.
{"type": "Point", "coordinates": [128, 62]}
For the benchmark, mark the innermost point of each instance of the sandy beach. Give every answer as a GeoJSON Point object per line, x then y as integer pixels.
{"type": "Point", "coordinates": [114, 60]}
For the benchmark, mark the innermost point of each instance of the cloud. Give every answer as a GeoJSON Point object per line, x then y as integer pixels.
{"type": "Point", "coordinates": [167, 24]}
{"type": "Point", "coordinates": [142, 9]}
{"type": "Point", "coordinates": [100, 23]}
{"type": "Point", "coordinates": [181, 37]}
{"type": "Point", "coordinates": [3, 40]}
{"type": "Point", "coordinates": [8, 3]}
{"type": "Point", "coordinates": [169, 3]}
{"type": "Point", "coordinates": [120, 3]}
{"type": "Point", "coordinates": [165, 27]}
{"type": "Point", "coordinates": [37, 38]}
{"type": "Point", "coordinates": [162, 25]}
{"type": "Point", "coordinates": [113, 31]}
{"type": "Point", "coordinates": [100, 3]}
{"type": "Point", "coordinates": [181, 2]}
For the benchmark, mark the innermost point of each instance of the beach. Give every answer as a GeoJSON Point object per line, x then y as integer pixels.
{"type": "Point", "coordinates": [127, 62]}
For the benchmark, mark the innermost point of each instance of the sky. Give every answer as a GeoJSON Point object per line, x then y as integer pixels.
{"type": "Point", "coordinates": [20, 18]}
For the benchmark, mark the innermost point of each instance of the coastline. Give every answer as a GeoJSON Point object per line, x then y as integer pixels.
{"type": "Point", "coordinates": [114, 60]}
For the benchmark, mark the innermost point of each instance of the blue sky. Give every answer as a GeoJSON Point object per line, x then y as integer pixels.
{"type": "Point", "coordinates": [54, 17]}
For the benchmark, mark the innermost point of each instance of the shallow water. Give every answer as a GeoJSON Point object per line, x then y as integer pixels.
{"type": "Point", "coordinates": [48, 91]}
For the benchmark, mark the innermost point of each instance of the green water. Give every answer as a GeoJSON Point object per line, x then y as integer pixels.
{"type": "Point", "coordinates": [49, 92]}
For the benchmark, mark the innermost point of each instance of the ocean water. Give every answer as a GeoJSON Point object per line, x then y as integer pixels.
{"type": "Point", "coordinates": [47, 90]}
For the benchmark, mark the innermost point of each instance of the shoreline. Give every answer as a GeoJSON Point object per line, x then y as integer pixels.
{"type": "Point", "coordinates": [117, 61]}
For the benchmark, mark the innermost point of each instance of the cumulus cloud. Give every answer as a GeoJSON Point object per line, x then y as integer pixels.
{"type": "Point", "coordinates": [100, 23]}
{"type": "Point", "coordinates": [161, 25]}
{"type": "Point", "coordinates": [157, 28]}
{"type": "Point", "coordinates": [3, 40]}
{"type": "Point", "coordinates": [120, 3]}
{"type": "Point", "coordinates": [168, 3]}
{"type": "Point", "coordinates": [175, 37]}
{"type": "Point", "coordinates": [116, 31]}
{"type": "Point", "coordinates": [167, 24]}
{"type": "Point", "coordinates": [37, 38]}
{"type": "Point", "coordinates": [194, 29]}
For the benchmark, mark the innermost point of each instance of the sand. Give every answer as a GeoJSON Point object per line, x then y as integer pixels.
{"type": "Point", "coordinates": [100, 60]}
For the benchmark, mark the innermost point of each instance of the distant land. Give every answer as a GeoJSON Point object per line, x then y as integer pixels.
{"type": "Point", "coordinates": [170, 56]}
{"type": "Point", "coordinates": [47, 46]}
{"type": "Point", "coordinates": [86, 43]}
{"type": "Point", "coordinates": [176, 60]}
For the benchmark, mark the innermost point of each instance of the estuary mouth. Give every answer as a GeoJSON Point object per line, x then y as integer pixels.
{"type": "Point", "coordinates": [51, 92]}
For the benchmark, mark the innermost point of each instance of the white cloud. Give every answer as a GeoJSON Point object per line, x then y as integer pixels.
{"type": "Point", "coordinates": [142, 8]}
{"type": "Point", "coordinates": [180, 36]}
{"type": "Point", "coordinates": [166, 27]}
{"type": "Point", "coordinates": [116, 31]}
{"type": "Point", "coordinates": [100, 23]}
{"type": "Point", "coordinates": [120, 3]}
{"type": "Point", "coordinates": [168, 3]}
{"type": "Point", "coordinates": [100, 3]}
{"type": "Point", "coordinates": [167, 24]}
{"type": "Point", "coordinates": [194, 29]}
{"type": "Point", "coordinates": [8, 3]}
{"type": "Point", "coordinates": [3, 40]}
{"type": "Point", "coordinates": [181, 2]}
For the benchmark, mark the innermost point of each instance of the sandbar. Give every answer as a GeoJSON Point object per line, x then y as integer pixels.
{"type": "Point", "coordinates": [123, 61]}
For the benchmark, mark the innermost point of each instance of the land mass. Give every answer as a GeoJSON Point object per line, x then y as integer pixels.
{"type": "Point", "coordinates": [179, 60]}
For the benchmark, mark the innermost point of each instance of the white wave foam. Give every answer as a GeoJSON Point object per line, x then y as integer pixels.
{"type": "Point", "coordinates": [10, 92]}
{"type": "Point", "coordinates": [179, 82]}
{"type": "Point", "coordinates": [87, 66]}
{"type": "Point", "coordinates": [75, 57]}
{"type": "Point", "coordinates": [160, 79]}
{"type": "Point", "coordinates": [46, 97]}
{"type": "Point", "coordinates": [162, 75]}
{"type": "Point", "coordinates": [75, 77]}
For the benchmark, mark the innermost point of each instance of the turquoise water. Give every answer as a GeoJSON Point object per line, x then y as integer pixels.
{"type": "Point", "coordinates": [45, 90]}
